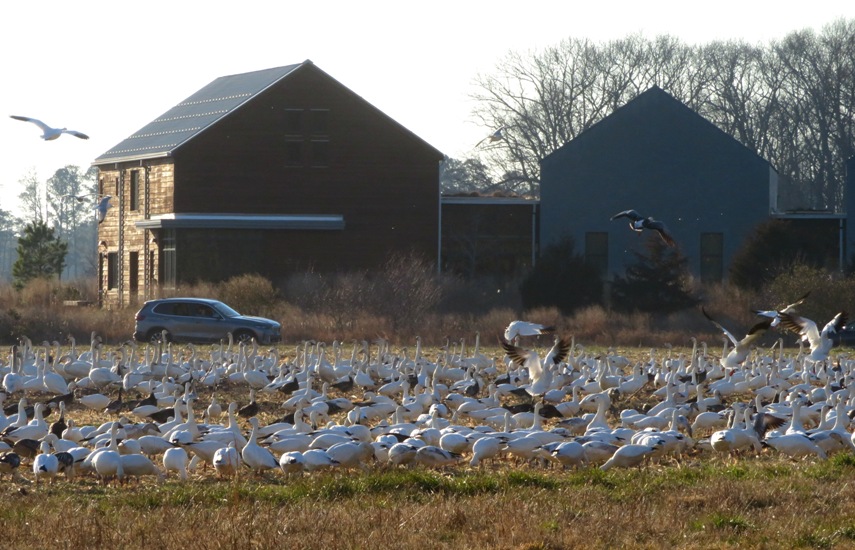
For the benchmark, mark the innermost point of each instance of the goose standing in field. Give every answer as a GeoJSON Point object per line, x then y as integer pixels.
{"type": "Point", "coordinates": [45, 464]}
{"type": "Point", "coordinates": [820, 341]}
{"type": "Point", "coordinates": [9, 464]}
{"type": "Point", "coordinates": [291, 462]}
{"type": "Point", "coordinates": [227, 461]}
{"type": "Point", "coordinates": [256, 457]}
{"type": "Point", "coordinates": [485, 448]}
{"type": "Point", "coordinates": [107, 463]}
{"type": "Point", "coordinates": [741, 348]}
{"type": "Point", "coordinates": [175, 459]}
{"type": "Point", "coordinates": [214, 410]}
{"type": "Point", "coordinates": [639, 223]}
{"type": "Point", "coordinates": [136, 465]}
{"type": "Point", "coordinates": [631, 455]}
{"type": "Point", "coordinates": [49, 133]}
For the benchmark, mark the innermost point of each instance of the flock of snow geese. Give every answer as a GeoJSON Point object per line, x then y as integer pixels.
{"type": "Point", "coordinates": [370, 406]}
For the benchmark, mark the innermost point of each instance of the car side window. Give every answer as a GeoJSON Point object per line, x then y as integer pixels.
{"type": "Point", "coordinates": [204, 311]}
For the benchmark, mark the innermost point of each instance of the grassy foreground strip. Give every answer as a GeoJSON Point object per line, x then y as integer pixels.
{"type": "Point", "coordinates": [766, 502]}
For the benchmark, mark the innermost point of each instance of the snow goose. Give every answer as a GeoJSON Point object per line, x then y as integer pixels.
{"type": "Point", "coordinates": [638, 223]}
{"type": "Point", "coordinates": [318, 459]}
{"type": "Point", "coordinates": [436, 457]}
{"type": "Point", "coordinates": [795, 445]}
{"type": "Point", "coordinates": [227, 461]}
{"type": "Point", "coordinates": [292, 462]}
{"type": "Point", "coordinates": [525, 328]}
{"type": "Point", "coordinates": [485, 448]}
{"type": "Point", "coordinates": [775, 314]}
{"type": "Point", "coordinates": [9, 464]}
{"type": "Point", "coordinates": [175, 459]}
{"type": "Point", "coordinates": [256, 457]}
{"type": "Point", "coordinates": [107, 462]}
{"type": "Point", "coordinates": [153, 445]}
{"type": "Point", "coordinates": [49, 133]}
{"type": "Point", "coordinates": [741, 348]}
{"type": "Point", "coordinates": [137, 465]}
{"type": "Point", "coordinates": [352, 454]}
{"type": "Point", "coordinates": [45, 464]}
{"type": "Point", "coordinates": [598, 452]}
{"type": "Point", "coordinates": [820, 341]}
{"type": "Point", "coordinates": [402, 454]}
{"type": "Point", "coordinates": [631, 455]}
{"type": "Point", "coordinates": [568, 453]}
{"type": "Point", "coordinates": [540, 372]}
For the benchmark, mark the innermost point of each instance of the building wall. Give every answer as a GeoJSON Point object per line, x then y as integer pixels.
{"type": "Point", "coordinates": [660, 158]}
{"type": "Point", "coordinates": [381, 178]}
{"type": "Point", "coordinates": [118, 236]}
{"type": "Point", "coordinates": [482, 236]}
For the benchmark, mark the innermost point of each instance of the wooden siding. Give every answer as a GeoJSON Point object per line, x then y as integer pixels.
{"type": "Point", "coordinates": [156, 179]}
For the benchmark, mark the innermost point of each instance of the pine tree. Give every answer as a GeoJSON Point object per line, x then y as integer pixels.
{"type": "Point", "coordinates": [656, 282]}
{"type": "Point", "coordinates": [40, 254]}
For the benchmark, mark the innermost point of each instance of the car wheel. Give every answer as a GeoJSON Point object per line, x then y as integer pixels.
{"type": "Point", "coordinates": [156, 336]}
{"type": "Point", "coordinates": [243, 336]}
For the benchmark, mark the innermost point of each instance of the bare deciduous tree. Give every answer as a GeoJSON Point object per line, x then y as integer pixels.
{"type": "Point", "coordinates": [792, 102]}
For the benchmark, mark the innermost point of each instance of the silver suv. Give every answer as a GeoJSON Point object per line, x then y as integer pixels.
{"type": "Point", "coordinates": [200, 320]}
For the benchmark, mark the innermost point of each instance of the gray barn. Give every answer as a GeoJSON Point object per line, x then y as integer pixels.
{"type": "Point", "coordinates": [657, 156]}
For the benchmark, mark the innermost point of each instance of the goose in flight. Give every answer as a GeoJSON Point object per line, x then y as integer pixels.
{"type": "Point", "coordinates": [638, 223]}
{"type": "Point", "coordinates": [741, 348]}
{"type": "Point", "coordinates": [49, 133]}
{"type": "Point", "coordinates": [540, 372]}
{"type": "Point", "coordinates": [101, 209]}
{"type": "Point", "coordinates": [492, 138]}
{"type": "Point", "coordinates": [820, 340]}
{"type": "Point", "coordinates": [775, 314]}
{"type": "Point", "coordinates": [524, 328]}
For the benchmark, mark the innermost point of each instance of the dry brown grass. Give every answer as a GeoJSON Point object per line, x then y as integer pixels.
{"type": "Point", "coordinates": [323, 312]}
{"type": "Point", "coordinates": [766, 503]}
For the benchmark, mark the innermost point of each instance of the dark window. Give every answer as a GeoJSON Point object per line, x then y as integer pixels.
{"type": "Point", "coordinates": [294, 152]}
{"type": "Point", "coordinates": [112, 270]}
{"type": "Point", "coordinates": [168, 254]}
{"type": "Point", "coordinates": [135, 190]}
{"type": "Point", "coordinates": [101, 186]}
{"type": "Point", "coordinates": [712, 257]}
{"type": "Point", "coordinates": [320, 153]}
{"type": "Point", "coordinates": [320, 122]}
{"type": "Point", "coordinates": [597, 250]}
{"type": "Point", "coordinates": [133, 271]}
{"type": "Point", "coordinates": [294, 122]}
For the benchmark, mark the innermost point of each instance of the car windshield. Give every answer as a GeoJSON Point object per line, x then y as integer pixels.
{"type": "Point", "coordinates": [226, 311]}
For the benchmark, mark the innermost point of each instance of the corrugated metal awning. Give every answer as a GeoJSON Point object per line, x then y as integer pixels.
{"type": "Point", "coordinates": [305, 222]}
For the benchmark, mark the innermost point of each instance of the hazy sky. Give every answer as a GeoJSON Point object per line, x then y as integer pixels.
{"type": "Point", "coordinates": [108, 68]}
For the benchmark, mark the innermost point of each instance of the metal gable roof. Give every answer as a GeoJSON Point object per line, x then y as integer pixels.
{"type": "Point", "coordinates": [193, 115]}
